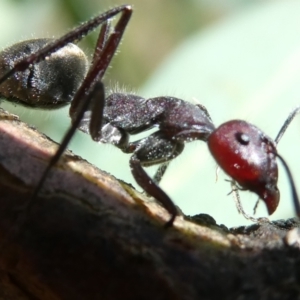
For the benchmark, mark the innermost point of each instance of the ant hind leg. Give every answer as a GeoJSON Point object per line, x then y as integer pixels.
{"type": "Point", "coordinates": [90, 95]}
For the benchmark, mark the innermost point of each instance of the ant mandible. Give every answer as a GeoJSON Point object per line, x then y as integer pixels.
{"type": "Point", "coordinates": [47, 73]}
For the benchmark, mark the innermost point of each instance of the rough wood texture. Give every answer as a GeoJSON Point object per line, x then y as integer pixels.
{"type": "Point", "coordinates": [90, 236]}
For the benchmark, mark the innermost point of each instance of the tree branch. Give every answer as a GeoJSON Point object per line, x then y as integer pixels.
{"type": "Point", "coordinates": [90, 236]}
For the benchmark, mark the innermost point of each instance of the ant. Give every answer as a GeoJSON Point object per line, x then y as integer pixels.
{"type": "Point", "coordinates": [47, 73]}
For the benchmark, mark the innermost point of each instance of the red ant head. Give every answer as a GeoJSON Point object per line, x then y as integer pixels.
{"type": "Point", "coordinates": [247, 155]}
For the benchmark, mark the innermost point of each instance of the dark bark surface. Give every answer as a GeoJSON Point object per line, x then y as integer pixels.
{"type": "Point", "coordinates": [90, 236]}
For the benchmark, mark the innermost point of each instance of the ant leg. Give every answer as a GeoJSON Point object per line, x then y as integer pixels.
{"type": "Point", "coordinates": [102, 39]}
{"type": "Point", "coordinates": [161, 169]}
{"type": "Point", "coordinates": [91, 92]}
{"type": "Point", "coordinates": [97, 92]}
{"type": "Point", "coordinates": [286, 124]}
{"type": "Point", "coordinates": [101, 61]}
{"type": "Point", "coordinates": [75, 35]}
{"type": "Point", "coordinates": [256, 206]}
{"type": "Point", "coordinates": [149, 186]}
{"type": "Point", "coordinates": [281, 132]}
{"type": "Point", "coordinates": [293, 186]}
{"type": "Point", "coordinates": [146, 152]}
{"type": "Point", "coordinates": [160, 172]}
{"type": "Point", "coordinates": [152, 150]}
{"type": "Point", "coordinates": [238, 204]}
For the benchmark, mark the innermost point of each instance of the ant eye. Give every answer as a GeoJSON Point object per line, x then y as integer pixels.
{"type": "Point", "coordinates": [243, 138]}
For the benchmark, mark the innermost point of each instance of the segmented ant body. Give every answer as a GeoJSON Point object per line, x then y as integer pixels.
{"type": "Point", "coordinates": [43, 73]}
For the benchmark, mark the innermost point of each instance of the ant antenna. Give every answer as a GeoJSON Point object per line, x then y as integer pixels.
{"type": "Point", "coordinates": [286, 124]}
{"type": "Point", "coordinates": [291, 180]}
{"type": "Point", "coordinates": [290, 177]}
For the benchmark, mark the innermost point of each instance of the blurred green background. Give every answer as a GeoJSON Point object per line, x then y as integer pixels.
{"type": "Point", "coordinates": [241, 59]}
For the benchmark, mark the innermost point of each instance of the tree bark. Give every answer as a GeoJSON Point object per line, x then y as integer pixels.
{"type": "Point", "coordinates": [90, 236]}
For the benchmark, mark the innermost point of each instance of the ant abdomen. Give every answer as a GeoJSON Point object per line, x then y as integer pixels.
{"type": "Point", "coordinates": [247, 155]}
{"type": "Point", "coordinates": [51, 83]}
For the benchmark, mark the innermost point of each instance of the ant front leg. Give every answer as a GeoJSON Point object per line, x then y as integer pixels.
{"type": "Point", "coordinates": [238, 204]}
{"type": "Point", "coordinates": [149, 151]}
{"type": "Point", "coordinates": [160, 172]}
